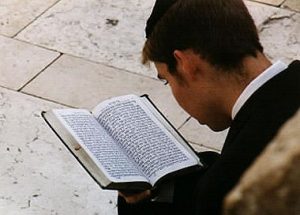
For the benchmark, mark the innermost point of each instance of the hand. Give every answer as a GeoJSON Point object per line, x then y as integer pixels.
{"type": "Point", "coordinates": [135, 197]}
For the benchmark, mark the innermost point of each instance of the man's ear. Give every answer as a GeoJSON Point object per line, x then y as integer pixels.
{"type": "Point", "coordinates": [186, 63]}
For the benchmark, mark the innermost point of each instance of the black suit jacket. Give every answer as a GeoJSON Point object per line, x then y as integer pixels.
{"type": "Point", "coordinates": [253, 128]}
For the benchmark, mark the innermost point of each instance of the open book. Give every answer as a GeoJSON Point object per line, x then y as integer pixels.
{"type": "Point", "coordinates": [125, 143]}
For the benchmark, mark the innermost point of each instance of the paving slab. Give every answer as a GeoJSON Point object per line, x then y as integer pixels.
{"type": "Point", "coordinates": [292, 5]}
{"type": "Point", "coordinates": [110, 32]}
{"type": "Point", "coordinates": [201, 148]}
{"type": "Point", "coordinates": [102, 31]}
{"type": "Point", "coordinates": [200, 135]}
{"type": "Point", "coordinates": [38, 174]}
{"type": "Point", "coordinates": [260, 12]}
{"type": "Point", "coordinates": [80, 83]}
{"type": "Point", "coordinates": [280, 35]}
{"type": "Point", "coordinates": [271, 2]}
{"type": "Point", "coordinates": [20, 62]}
{"type": "Point", "coordinates": [16, 14]}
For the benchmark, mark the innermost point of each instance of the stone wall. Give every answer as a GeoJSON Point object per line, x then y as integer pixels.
{"type": "Point", "coordinates": [272, 183]}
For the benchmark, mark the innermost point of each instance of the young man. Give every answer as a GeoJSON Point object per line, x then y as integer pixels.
{"type": "Point", "coordinates": [209, 53]}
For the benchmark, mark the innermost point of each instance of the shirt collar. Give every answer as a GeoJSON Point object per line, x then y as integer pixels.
{"type": "Point", "coordinates": [266, 75]}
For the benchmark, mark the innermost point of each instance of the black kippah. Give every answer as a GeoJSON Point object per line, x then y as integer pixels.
{"type": "Point", "coordinates": [159, 9]}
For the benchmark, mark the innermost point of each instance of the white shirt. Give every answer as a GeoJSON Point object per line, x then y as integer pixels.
{"type": "Point", "coordinates": [266, 75]}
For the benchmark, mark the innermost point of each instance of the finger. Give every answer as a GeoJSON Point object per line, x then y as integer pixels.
{"type": "Point", "coordinates": [134, 198]}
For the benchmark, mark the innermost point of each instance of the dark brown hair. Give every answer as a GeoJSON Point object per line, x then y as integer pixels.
{"type": "Point", "coordinates": [221, 31]}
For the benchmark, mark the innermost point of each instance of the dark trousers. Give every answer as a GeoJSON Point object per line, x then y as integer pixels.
{"type": "Point", "coordinates": [144, 208]}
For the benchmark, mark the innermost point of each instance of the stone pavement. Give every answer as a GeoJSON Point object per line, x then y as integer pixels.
{"type": "Point", "coordinates": [73, 53]}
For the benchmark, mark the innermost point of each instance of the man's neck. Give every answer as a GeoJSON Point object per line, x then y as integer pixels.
{"type": "Point", "coordinates": [251, 68]}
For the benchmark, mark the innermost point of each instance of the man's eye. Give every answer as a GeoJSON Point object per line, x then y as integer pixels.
{"type": "Point", "coordinates": [165, 82]}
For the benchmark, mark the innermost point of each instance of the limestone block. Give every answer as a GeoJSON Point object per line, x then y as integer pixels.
{"type": "Point", "coordinates": [20, 62]}
{"type": "Point", "coordinates": [271, 2]}
{"type": "Point", "coordinates": [280, 36]}
{"type": "Point", "coordinates": [260, 12]}
{"type": "Point", "coordinates": [202, 136]}
{"type": "Point", "coordinates": [38, 174]}
{"type": "Point", "coordinates": [201, 148]}
{"type": "Point", "coordinates": [292, 5]}
{"type": "Point", "coordinates": [80, 83]}
{"type": "Point", "coordinates": [15, 14]}
{"type": "Point", "coordinates": [110, 32]}
{"type": "Point", "coordinates": [272, 184]}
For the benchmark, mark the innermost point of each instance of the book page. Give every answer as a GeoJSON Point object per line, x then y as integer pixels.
{"type": "Point", "coordinates": [142, 136]}
{"type": "Point", "coordinates": [99, 145]}
{"type": "Point", "coordinates": [166, 124]}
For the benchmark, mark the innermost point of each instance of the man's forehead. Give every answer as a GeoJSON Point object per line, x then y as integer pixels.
{"type": "Point", "coordinates": [159, 9]}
